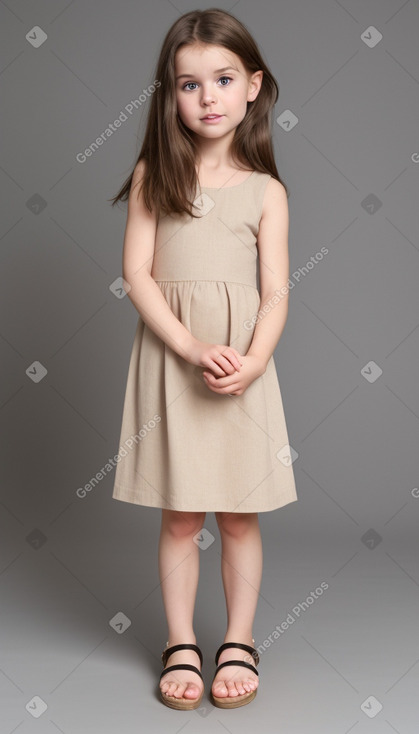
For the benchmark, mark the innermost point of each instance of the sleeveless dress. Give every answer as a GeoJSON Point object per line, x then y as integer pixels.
{"type": "Point", "coordinates": [183, 446]}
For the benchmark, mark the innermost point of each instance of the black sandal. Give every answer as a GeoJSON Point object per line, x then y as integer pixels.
{"type": "Point", "coordinates": [231, 702]}
{"type": "Point", "coordinates": [182, 704]}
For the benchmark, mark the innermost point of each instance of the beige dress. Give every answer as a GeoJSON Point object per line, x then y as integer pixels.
{"type": "Point", "coordinates": [183, 446]}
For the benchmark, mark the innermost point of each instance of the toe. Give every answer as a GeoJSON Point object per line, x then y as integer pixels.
{"type": "Point", "coordinates": [169, 688]}
{"type": "Point", "coordinates": [219, 689]}
{"type": "Point", "coordinates": [232, 690]}
{"type": "Point", "coordinates": [179, 691]}
{"type": "Point", "coordinates": [192, 691]}
{"type": "Point", "coordinates": [233, 687]}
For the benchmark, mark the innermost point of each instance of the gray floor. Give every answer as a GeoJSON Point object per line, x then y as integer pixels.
{"type": "Point", "coordinates": [345, 659]}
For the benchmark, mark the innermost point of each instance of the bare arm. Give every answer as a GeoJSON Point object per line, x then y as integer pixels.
{"type": "Point", "coordinates": [138, 254]}
{"type": "Point", "coordinates": [274, 272]}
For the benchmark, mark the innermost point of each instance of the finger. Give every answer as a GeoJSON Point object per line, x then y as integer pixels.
{"type": "Point", "coordinates": [231, 363]}
{"type": "Point", "coordinates": [216, 369]}
{"type": "Point", "coordinates": [226, 363]}
{"type": "Point", "coordinates": [219, 385]}
{"type": "Point", "coordinates": [233, 359]}
{"type": "Point", "coordinates": [238, 357]}
{"type": "Point", "coordinates": [223, 367]}
{"type": "Point", "coordinates": [221, 391]}
{"type": "Point", "coordinates": [219, 381]}
{"type": "Point", "coordinates": [232, 356]}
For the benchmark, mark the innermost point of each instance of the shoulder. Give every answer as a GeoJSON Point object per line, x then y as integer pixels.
{"type": "Point", "coordinates": [139, 172]}
{"type": "Point", "coordinates": [137, 180]}
{"type": "Point", "coordinates": [274, 220]}
{"type": "Point", "coordinates": [136, 200]}
{"type": "Point", "coordinates": [275, 198]}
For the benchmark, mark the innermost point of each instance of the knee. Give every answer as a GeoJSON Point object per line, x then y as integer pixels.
{"type": "Point", "coordinates": [236, 524]}
{"type": "Point", "coordinates": [182, 524]}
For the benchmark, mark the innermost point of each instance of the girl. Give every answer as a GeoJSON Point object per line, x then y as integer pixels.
{"type": "Point", "coordinates": [203, 427]}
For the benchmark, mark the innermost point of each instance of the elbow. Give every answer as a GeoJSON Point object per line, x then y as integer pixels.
{"type": "Point", "coordinates": [133, 278]}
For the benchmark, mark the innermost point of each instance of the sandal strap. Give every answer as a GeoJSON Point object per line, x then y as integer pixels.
{"type": "Point", "coordinates": [181, 666]}
{"type": "Point", "coordinates": [237, 662]}
{"type": "Point", "coordinates": [166, 653]}
{"type": "Point", "coordinates": [240, 646]}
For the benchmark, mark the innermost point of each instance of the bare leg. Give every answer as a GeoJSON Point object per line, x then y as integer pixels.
{"type": "Point", "coordinates": [179, 574]}
{"type": "Point", "coordinates": [241, 568]}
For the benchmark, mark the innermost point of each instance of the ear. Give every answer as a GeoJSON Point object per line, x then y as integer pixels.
{"type": "Point", "coordinates": [255, 83]}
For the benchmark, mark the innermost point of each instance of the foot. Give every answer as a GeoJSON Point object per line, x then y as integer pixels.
{"type": "Point", "coordinates": [231, 680]}
{"type": "Point", "coordinates": [182, 683]}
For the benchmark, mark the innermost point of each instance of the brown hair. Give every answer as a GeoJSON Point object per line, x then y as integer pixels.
{"type": "Point", "coordinates": [168, 148]}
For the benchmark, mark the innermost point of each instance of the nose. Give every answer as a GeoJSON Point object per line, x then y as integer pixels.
{"type": "Point", "coordinates": [208, 96]}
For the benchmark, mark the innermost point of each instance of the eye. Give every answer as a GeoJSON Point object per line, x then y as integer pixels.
{"type": "Point", "coordinates": [187, 85]}
{"type": "Point", "coordinates": [229, 78]}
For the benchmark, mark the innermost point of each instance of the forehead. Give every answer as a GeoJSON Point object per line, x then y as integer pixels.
{"type": "Point", "coordinates": [205, 58]}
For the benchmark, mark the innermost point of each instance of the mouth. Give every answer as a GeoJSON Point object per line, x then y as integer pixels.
{"type": "Point", "coordinates": [211, 117]}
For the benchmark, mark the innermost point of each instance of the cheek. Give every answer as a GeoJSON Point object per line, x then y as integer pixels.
{"type": "Point", "coordinates": [238, 100]}
{"type": "Point", "coordinates": [182, 105]}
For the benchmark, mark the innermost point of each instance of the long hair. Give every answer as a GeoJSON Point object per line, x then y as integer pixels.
{"type": "Point", "coordinates": [169, 150]}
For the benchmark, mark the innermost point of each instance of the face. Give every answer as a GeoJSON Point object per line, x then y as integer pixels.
{"type": "Point", "coordinates": [210, 80]}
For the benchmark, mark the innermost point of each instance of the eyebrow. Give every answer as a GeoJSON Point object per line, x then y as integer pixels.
{"type": "Point", "coordinates": [217, 71]}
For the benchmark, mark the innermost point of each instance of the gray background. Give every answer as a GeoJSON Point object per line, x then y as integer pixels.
{"type": "Point", "coordinates": [69, 565]}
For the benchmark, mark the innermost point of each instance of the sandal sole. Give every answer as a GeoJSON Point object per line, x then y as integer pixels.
{"type": "Point", "coordinates": [181, 704]}
{"type": "Point", "coordinates": [233, 702]}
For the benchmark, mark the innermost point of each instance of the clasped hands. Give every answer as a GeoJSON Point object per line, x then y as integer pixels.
{"type": "Point", "coordinates": [227, 371]}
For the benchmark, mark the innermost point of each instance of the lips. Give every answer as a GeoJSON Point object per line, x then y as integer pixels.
{"type": "Point", "coordinates": [211, 117]}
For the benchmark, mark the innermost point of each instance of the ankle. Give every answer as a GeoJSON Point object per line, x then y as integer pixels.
{"type": "Point", "coordinates": [181, 639]}
{"type": "Point", "coordinates": [240, 636]}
